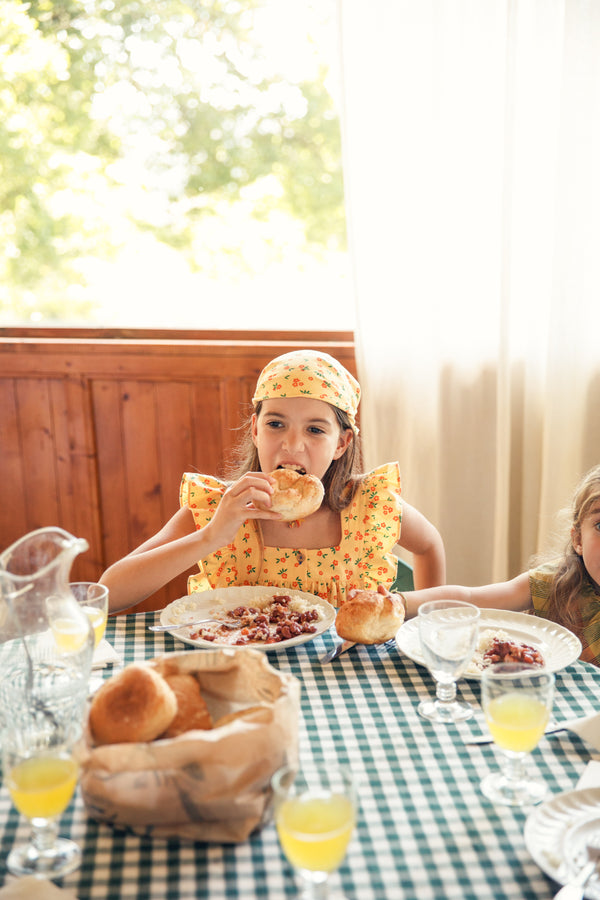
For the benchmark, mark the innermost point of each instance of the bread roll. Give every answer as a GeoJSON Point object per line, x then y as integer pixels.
{"type": "Point", "coordinates": [192, 712]}
{"type": "Point", "coordinates": [295, 496]}
{"type": "Point", "coordinates": [135, 705]}
{"type": "Point", "coordinates": [369, 617]}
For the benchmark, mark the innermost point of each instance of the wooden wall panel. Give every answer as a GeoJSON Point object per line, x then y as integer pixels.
{"type": "Point", "coordinates": [38, 446]}
{"type": "Point", "coordinates": [13, 510]}
{"type": "Point", "coordinates": [76, 472]}
{"type": "Point", "coordinates": [142, 502]}
{"type": "Point", "coordinates": [97, 431]}
{"type": "Point", "coordinates": [236, 396]}
{"type": "Point", "coordinates": [176, 446]}
{"type": "Point", "coordinates": [106, 405]}
{"type": "Point", "coordinates": [208, 424]}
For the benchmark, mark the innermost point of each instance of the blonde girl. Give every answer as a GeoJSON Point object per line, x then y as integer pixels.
{"type": "Point", "coordinates": [305, 406]}
{"type": "Point", "coordinates": [566, 590]}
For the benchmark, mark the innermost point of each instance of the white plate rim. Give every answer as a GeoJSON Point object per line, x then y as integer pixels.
{"type": "Point", "coordinates": [547, 826]}
{"type": "Point", "coordinates": [540, 633]}
{"type": "Point", "coordinates": [242, 595]}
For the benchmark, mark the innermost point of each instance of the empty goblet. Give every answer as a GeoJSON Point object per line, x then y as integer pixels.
{"type": "Point", "coordinates": [448, 632]}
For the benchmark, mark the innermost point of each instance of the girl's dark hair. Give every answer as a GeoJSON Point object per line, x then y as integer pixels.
{"type": "Point", "coordinates": [572, 575]}
{"type": "Point", "coordinates": [341, 479]}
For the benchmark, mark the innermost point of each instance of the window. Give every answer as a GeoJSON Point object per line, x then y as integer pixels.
{"type": "Point", "coordinates": [172, 164]}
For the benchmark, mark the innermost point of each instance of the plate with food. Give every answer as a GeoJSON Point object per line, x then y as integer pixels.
{"type": "Point", "coordinates": [266, 618]}
{"type": "Point", "coordinates": [557, 833]}
{"type": "Point", "coordinates": [505, 636]}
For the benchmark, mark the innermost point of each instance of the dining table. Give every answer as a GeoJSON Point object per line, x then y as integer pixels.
{"type": "Point", "coordinates": [424, 829]}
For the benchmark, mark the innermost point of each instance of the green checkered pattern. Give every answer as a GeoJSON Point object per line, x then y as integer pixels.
{"type": "Point", "coordinates": [424, 830]}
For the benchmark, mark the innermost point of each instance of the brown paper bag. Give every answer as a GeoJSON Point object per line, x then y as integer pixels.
{"type": "Point", "coordinates": [202, 785]}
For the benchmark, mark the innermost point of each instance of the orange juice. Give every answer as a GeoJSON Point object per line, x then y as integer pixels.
{"type": "Point", "coordinates": [517, 721]}
{"type": "Point", "coordinates": [41, 787]}
{"type": "Point", "coordinates": [314, 830]}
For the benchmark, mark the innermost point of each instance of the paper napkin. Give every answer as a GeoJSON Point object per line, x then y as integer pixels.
{"type": "Point", "coordinates": [587, 727]}
{"type": "Point", "coordinates": [105, 655]}
{"type": "Point", "coordinates": [32, 887]}
{"type": "Point", "coordinates": [590, 777]}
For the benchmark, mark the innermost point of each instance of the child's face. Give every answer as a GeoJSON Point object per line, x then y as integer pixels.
{"type": "Point", "coordinates": [300, 432]}
{"type": "Point", "coordinates": [587, 542]}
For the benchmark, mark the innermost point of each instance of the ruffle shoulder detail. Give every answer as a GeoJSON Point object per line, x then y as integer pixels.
{"type": "Point", "coordinates": [201, 494]}
{"type": "Point", "coordinates": [375, 514]}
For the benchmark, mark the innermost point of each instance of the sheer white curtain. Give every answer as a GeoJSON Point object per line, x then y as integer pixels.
{"type": "Point", "coordinates": [472, 156]}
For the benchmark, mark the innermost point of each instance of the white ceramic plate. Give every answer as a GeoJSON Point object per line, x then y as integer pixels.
{"type": "Point", "coordinates": [204, 603]}
{"type": "Point", "coordinates": [558, 645]}
{"type": "Point", "coordinates": [556, 834]}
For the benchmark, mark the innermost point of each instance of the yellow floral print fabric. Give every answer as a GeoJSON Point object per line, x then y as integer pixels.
{"type": "Point", "coordinates": [309, 373]}
{"type": "Point", "coordinates": [540, 583]}
{"type": "Point", "coordinates": [370, 528]}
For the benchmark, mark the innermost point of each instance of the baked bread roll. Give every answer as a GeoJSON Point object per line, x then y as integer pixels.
{"type": "Point", "coordinates": [368, 617]}
{"type": "Point", "coordinates": [295, 496]}
{"type": "Point", "coordinates": [135, 705]}
{"type": "Point", "coordinates": [192, 711]}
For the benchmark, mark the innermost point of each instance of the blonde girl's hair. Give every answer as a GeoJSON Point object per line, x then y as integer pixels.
{"type": "Point", "coordinates": [342, 478]}
{"type": "Point", "coordinates": [572, 575]}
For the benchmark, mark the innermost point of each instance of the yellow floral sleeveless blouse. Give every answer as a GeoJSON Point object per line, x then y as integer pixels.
{"type": "Point", "coordinates": [540, 582]}
{"type": "Point", "coordinates": [370, 529]}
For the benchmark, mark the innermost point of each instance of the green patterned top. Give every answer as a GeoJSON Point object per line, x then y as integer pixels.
{"type": "Point", "coordinates": [540, 582]}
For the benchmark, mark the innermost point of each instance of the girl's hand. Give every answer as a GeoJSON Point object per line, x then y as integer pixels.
{"type": "Point", "coordinates": [238, 505]}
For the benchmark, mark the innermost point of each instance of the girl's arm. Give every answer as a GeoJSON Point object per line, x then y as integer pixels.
{"type": "Point", "coordinates": [512, 595]}
{"type": "Point", "coordinates": [423, 540]}
{"type": "Point", "coordinates": [172, 550]}
{"type": "Point", "coordinates": [179, 545]}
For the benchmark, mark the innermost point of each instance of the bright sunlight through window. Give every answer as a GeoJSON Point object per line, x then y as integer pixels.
{"type": "Point", "coordinates": [172, 165]}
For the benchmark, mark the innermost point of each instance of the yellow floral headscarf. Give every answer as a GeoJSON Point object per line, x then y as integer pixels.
{"type": "Point", "coordinates": [309, 373]}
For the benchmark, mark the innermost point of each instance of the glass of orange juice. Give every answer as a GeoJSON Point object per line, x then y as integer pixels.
{"type": "Point", "coordinates": [46, 648]}
{"type": "Point", "coordinates": [517, 702]}
{"type": "Point", "coordinates": [93, 599]}
{"type": "Point", "coordinates": [41, 786]}
{"type": "Point", "coordinates": [315, 814]}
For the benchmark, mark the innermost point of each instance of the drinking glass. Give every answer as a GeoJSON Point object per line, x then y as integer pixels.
{"type": "Point", "coordinates": [315, 813]}
{"type": "Point", "coordinates": [46, 647]}
{"type": "Point", "coordinates": [517, 703]}
{"type": "Point", "coordinates": [93, 599]}
{"type": "Point", "coordinates": [448, 631]}
{"type": "Point", "coordinates": [41, 783]}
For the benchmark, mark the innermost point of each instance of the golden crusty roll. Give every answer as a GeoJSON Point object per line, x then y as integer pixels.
{"type": "Point", "coordinates": [295, 495]}
{"type": "Point", "coordinates": [369, 617]}
{"type": "Point", "coordinates": [192, 711]}
{"type": "Point", "coordinates": [136, 705]}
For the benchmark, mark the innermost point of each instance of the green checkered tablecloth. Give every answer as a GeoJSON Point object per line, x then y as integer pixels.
{"type": "Point", "coordinates": [424, 829]}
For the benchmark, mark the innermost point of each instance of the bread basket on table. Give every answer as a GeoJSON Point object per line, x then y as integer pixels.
{"type": "Point", "coordinates": [203, 785]}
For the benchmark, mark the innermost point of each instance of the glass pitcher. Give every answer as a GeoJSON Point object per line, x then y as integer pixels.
{"type": "Point", "coordinates": [46, 647]}
{"type": "Point", "coordinates": [46, 641]}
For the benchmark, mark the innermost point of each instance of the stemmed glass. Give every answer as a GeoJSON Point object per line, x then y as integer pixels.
{"type": "Point", "coordinates": [46, 647]}
{"type": "Point", "coordinates": [517, 702]}
{"type": "Point", "coordinates": [41, 782]}
{"type": "Point", "coordinates": [315, 814]}
{"type": "Point", "coordinates": [448, 631]}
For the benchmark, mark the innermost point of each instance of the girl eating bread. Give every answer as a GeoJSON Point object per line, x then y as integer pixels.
{"type": "Point", "coordinates": [296, 512]}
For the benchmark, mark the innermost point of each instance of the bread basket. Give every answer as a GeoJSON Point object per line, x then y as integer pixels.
{"type": "Point", "coordinates": [202, 785]}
